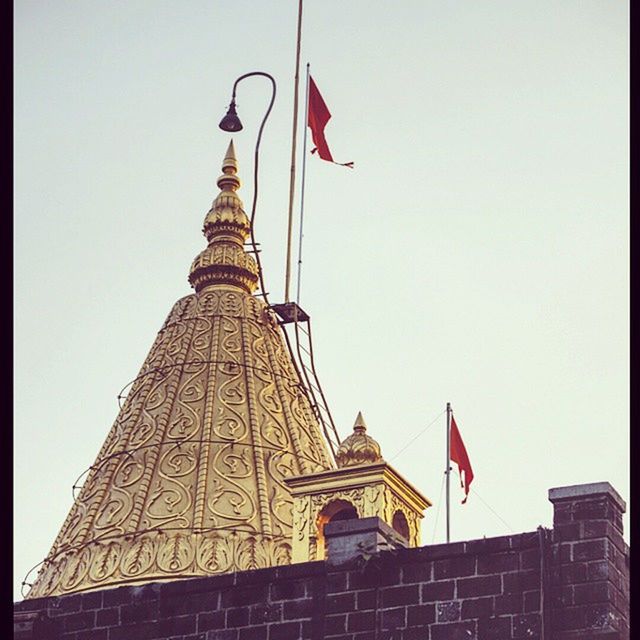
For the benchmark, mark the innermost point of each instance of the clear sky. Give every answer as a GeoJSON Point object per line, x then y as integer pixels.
{"type": "Point", "coordinates": [477, 253]}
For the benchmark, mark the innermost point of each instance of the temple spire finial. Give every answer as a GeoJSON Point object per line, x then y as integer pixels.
{"type": "Point", "coordinates": [360, 425]}
{"type": "Point", "coordinates": [230, 161]}
{"type": "Point", "coordinates": [229, 180]}
{"type": "Point", "coordinates": [226, 227]}
{"type": "Point", "coordinates": [358, 448]}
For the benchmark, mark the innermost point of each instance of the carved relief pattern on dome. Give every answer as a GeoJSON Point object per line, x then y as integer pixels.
{"type": "Point", "coordinates": [175, 488]}
{"type": "Point", "coordinates": [231, 497]}
{"type": "Point", "coordinates": [312, 452]}
{"type": "Point", "coordinates": [76, 569]}
{"type": "Point", "coordinates": [158, 555]}
{"type": "Point", "coordinates": [311, 442]}
{"type": "Point", "coordinates": [210, 300]}
{"type": "Point", "coordinates": [138, 558]}
{"type": "Point", "coordinates": [182, 309]}
{"type": "Point", "coordinates": [105, 560]}
{"type": "Point", "coordinates": [281, 463]}
{"type": "Point", "coordinates": [141, 427]}
{"type": "Point", "coordinates": [78, 527]}
{"type": "Point", "coordinates": [259, 452]}
{"type": "Point", "coordinates": [300, 406]}
{"type": "Point", "coordinates": [175, 553]}
{"type": "Point", "coordinates": [156, 412]}
{"type": "Point", "coordinates": [171, 499]}
{"type": "Point", "coordinates": [207, 303]}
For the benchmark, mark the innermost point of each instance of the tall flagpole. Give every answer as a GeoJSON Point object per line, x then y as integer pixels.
{"type": "Point", "coordinates": [293, 156]}
{"type": "Point", "coordinates": [304, 167]}
{"type": "Point", "coordinates": [448, 467]}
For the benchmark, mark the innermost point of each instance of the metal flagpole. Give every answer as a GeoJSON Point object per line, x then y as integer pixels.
{"type": "Point", "coordinates": [293, 157]}
{"type": "Point", "coordinates": [448, 467]}
{"type": "Point", "coordinates": [304, 167]}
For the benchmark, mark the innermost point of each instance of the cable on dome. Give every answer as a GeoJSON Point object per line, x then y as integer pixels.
{"type": "Point", "coordinates": [177, 444]}
{"type": "Point", "coordinates": [161, 368]}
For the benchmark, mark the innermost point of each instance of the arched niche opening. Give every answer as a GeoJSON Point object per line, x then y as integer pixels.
{"type": "Point", "coordinates": [400, 524]}
{"type": "Point", "coordinates": [334, 510]}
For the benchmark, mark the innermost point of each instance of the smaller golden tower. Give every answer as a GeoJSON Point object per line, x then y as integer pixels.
{"type": "Point", "coordinates": [358, 448]}
{"type": "Point", "coordinates": [362, 486]}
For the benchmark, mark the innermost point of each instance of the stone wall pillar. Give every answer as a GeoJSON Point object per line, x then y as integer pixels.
{"type": "Point", "coordinates": [589, 568]}
{"type": "Point", "coordinates": [362, 537]}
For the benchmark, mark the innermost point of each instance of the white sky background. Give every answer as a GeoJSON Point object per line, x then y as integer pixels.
{"type": "Point", "coordinates": [477, 253]}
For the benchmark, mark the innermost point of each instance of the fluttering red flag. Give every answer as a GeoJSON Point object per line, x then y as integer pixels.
{"type": "Point", "coordinates": [458, 454]}
{"type": "Point", "coordinates": [317, 120]}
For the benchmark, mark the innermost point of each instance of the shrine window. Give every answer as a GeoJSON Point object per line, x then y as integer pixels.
{"type": "Point", "coordinates": [335, 510]}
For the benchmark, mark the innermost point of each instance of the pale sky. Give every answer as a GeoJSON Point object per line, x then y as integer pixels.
{"type": "Point", "coordinates": [477, 254]}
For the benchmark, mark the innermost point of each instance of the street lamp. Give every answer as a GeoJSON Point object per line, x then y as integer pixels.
{"type": "Point", "coordinates": [231, 123]}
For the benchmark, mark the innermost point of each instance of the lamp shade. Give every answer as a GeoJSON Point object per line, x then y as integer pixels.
{"type": "Point", "coordinates": [231, 122]}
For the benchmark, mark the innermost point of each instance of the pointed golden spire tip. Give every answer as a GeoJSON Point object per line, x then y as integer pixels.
{"type": "Point", "coordinates": [359, 424]}
{"type": "Point", "coordinates": [230, 160]}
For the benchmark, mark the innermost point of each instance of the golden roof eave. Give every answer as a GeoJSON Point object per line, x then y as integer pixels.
{"type": "Point", "coordinates": [354, 477]}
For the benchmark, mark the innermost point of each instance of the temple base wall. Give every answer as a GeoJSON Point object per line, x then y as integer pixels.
{"type": "Point", "coordinates": [564, 583]}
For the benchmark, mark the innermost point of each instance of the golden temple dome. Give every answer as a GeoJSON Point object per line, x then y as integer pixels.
{"type": "Point", "coordinates": [358, 448]}
{"type": "Point", "coordinates": [190, 480]}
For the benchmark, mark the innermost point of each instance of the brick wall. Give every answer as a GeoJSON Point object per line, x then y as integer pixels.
{"type": "Point", "coordinates": [590, 562]}
{"type": "Point", "coordinates": [564, 583]}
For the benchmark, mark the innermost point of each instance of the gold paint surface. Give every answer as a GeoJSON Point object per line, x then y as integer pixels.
{"type": "Point", "coordinates": [191, 479]}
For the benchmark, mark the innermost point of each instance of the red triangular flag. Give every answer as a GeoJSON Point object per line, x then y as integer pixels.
{"type": "Point", "coordinates": [319, 115]}
{"type": "Point", "coordinates": [458, 454]}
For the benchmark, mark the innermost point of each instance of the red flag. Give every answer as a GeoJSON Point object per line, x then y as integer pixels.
{"type": "Point", "coordinates": [318, 117]}
{"type": "Point", "coordinates": [458, 454]}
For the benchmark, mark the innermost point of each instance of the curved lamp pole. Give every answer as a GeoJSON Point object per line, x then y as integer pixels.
{"type": "Point", "coordinates": [231, 123]}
